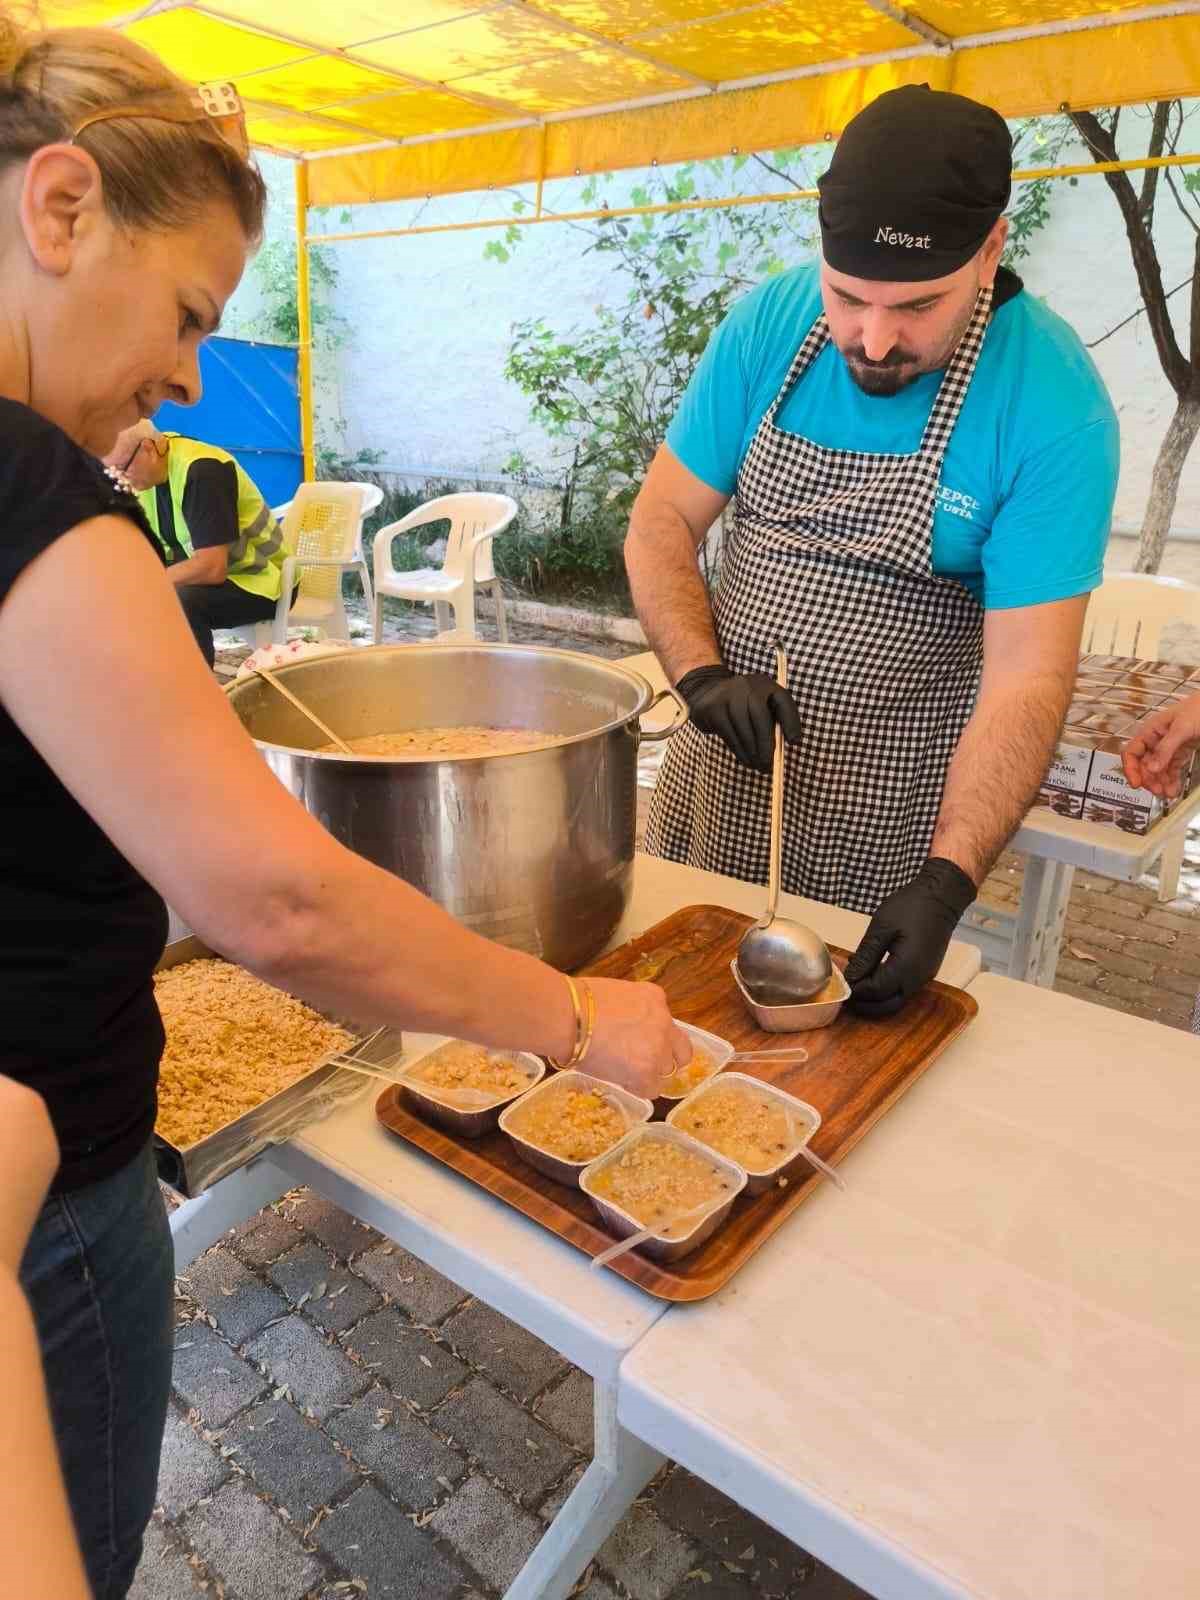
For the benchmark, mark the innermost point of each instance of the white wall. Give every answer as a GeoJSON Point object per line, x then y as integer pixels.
{"type": "Point", "coordinates": [421, 377]}
{"type": "Point", "coordinates": [1081, 265]}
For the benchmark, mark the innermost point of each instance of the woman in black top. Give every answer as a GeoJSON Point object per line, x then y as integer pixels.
{"type": "Point", "coordinates": [125, 218]}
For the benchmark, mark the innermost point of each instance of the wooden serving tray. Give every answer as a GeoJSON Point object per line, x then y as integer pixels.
{"type": "Point", "coordinates": [855, 1071]}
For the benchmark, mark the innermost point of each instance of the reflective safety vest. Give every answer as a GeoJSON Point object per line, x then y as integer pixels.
{"type": "Point", "coordinates": [256, 558]}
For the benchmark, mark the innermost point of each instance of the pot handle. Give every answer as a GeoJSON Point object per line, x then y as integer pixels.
{"type": "Point", "coordinates": [653, 735]}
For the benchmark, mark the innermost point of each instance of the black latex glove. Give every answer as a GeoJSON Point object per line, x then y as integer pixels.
{"type": "Point", "coordinates": [742, 709]}
{"type": "Point", "coordinates": [911, 929]}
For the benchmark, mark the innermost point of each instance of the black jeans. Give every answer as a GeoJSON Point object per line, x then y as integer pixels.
{"type": "Point", "coordinates": [99, 1272]}
{"type": "Point", "coordinates": [221, 605]}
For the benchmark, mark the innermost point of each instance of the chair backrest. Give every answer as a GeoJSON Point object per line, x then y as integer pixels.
{"type": "Point", "coordinates": [371, 501]}
{"type": "Point", "coordinates": [372, 497]}
{"type": "Point", "coordinates": [322, 523]}
{"type": "Point", "coordinates": [469, 515]}
{"type": "Point", "coordinates": [1128, 612]}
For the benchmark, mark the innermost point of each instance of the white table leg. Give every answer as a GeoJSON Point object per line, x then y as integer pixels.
{"type": "Point", "coordinates": [200, 1222]}
{"type": "Point", "coordinates": [1170, 865]}
{"type": "Point", "coordinates": [1040, 919]}
{"type": "Point", "coordinates": [621, 1469]}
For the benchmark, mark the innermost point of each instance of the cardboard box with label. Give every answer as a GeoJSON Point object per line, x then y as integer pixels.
{"type": "Point", "coordinates": [1085, 780]}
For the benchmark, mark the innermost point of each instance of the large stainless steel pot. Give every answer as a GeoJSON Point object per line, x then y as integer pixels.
{"type": "Point", "coordinates": [535, 849]}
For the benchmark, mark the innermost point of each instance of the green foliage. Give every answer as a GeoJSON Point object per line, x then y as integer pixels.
{"type": "Point", "coordinates": [1039, 142]}
{"type": "Point", "coordinates": [275, 270]}
{"type": "Point", "coordinates": [572, 554]}
{"type": "Point", "coordinates": [610, 388]}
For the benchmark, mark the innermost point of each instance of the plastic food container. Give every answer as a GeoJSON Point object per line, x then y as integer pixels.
{"type": "Point", "coordinates": [795, 1018]}
{"type": "Point", "coordinates": [619, 1222]}
{"type": "Point", "coordinates": [436, 1105]}
{"type": "Point", "coordinates": [807, 1119]}
{"type": "Point", "coordinates": [635, 1109]}
{"type": "Point", "coordinates": [719, 1049]}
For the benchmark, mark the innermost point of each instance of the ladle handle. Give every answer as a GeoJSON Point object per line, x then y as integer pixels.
{"type": "Point", "coordinates": [312, 716]}
{"type": "Point", "coordinates": [776, 861]}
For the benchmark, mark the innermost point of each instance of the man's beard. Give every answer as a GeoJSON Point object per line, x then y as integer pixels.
{"type": "Point", "coordinates": [900, 367]}
{"type": "Point", "coordinates": [896, 371]}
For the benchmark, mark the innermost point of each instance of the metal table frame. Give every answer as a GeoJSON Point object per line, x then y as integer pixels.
{"type": "Point", "coordinates": [1025, 944]}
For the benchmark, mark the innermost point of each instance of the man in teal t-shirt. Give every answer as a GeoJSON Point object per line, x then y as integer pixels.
{"type": "Point", "coordinates": [921, 461]}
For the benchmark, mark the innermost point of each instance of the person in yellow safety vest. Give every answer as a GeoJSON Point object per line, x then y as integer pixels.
{"type": "Point", "coordinates": [223, 548]}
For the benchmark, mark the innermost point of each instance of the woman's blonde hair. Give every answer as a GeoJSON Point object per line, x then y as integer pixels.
{"type": "Point", "coordinates": [162, 164]}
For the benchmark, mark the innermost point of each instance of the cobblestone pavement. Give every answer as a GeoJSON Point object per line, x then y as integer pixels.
{"type": "Point", "coordinates": [410, 626]}
{"type": "Point", "coordinates": [347, 1422]}
{"type": "Point", "coordinates": [1123, 948]}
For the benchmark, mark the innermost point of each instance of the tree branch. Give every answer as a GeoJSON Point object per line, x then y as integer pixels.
{"type": "Point", "coordinates": [779, 173]}
{"type": "Point", "coordinates": [1134, 315]}
{"type": "Point", "coordinates": [1176, 366]}
{"type": "Point", "coordinates": [1158, 138]}
{"type": "Point", "coordinates": [1192, 221]}
{"type": "Point", "coordinates": [1195, 339]}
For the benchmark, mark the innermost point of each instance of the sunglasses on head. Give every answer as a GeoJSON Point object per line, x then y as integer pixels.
{"type": "Point", "coordinates": [217, 104]}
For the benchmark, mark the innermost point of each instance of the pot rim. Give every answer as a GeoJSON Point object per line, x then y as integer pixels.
{"type": "Point", "coordinates": [615, 668]}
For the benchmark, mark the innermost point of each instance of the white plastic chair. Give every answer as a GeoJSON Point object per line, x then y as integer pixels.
{"type": "Point", "coordinates": [1126, 617]}
{"type": "Point", "coordinates": [475, 520]}
{"type": "Point", "coordinates": [322, 535]}
{"type": "Point", "coordinates": [1128, 612]}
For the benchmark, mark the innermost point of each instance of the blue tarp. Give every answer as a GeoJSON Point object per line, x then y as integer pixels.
{"type": "Point", "coordinates": [251, 408]}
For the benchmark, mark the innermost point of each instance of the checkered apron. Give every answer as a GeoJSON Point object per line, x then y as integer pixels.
{"type": "Point", "coordinates": [830, 553]}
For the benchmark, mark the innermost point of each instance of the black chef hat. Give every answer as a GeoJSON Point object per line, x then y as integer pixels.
{"type": "Point", "coordinates": [916, 184]}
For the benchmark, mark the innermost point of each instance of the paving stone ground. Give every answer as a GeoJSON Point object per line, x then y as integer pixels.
{"type": "Point", "coordinates": [312, 1454]}
{"type": "Point", "coordinates": [315, 1457]}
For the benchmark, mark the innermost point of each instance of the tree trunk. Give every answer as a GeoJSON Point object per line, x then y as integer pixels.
{"type": "Point", "coordinates": [1164, 483]}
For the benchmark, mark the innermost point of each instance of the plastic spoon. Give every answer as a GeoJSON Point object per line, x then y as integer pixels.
{"type": "Point", "coordinates": [643, 1234]}
{"type": "Point", "coordinates": [822, 1167]}
{"type": "Point", "coordinates": [366, 1072]}
{"type": "Point", "coordinates": [790, 1053]}
{"type": "Point", "coordinates": [464, 1099]}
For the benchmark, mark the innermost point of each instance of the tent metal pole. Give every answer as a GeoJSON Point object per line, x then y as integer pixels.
{"type": "Point", "coordinates": [607, 213]}
{"type": "Point", "coordinates": [304, 317]}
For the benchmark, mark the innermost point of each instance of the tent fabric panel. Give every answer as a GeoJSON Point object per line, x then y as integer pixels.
{"type": "Point", "coordinates": [441, 166]}
{"type": "Point", "coordinates": [570, 82]}
{"type": "Point", "coordinates": [1125, 64]}
{"type": "Point", "coordinates": [1128, 64]}
{"type": "Point", "coordinates": [316, 84]}
{"type": "Point", "coordinates": [202, 48]}
{"type": "Point", "coordinates": [778, 38]}
{"type": "Point", "coordinates": [410, 113]}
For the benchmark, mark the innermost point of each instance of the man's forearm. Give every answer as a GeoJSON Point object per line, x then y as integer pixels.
{"type": "Point", "coordinates": [1000, 762]}
{"type": "Point", "coordinates": [669, 591]}
{"type": "Point", "coordinates": [206, 567]}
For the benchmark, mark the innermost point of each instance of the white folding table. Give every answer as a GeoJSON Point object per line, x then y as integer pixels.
{"type": "Point", "coordinates": [514, 1265]}
{"type": "Point", "coordinates": [1025, 943]}
{"type": "Point", "coordinates": [976, 1371]}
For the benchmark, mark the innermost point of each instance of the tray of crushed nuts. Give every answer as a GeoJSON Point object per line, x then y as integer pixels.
{"type": "Point", "coordinates": [246, 1066]}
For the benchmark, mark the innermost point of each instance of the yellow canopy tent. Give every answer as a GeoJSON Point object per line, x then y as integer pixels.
{"type": "Point", "coordinates": [396, 99]}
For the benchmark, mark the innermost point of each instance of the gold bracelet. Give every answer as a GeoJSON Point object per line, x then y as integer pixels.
{"type": "Point", "coordinates": [580, 1029]}
{"type": "Point", "coordinates": [591, 1024]}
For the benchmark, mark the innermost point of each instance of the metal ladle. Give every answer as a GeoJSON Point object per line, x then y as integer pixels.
{"type": "Point", "coordinates": [780, 961]}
